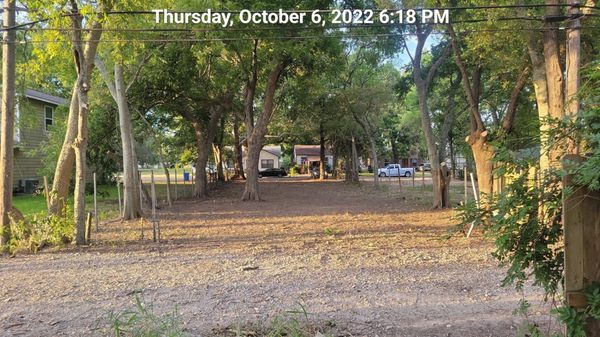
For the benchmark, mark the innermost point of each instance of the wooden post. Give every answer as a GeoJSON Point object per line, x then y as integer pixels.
{"type": "Point", "coordinates": [152, 202]}
{"type": "Point", "coordinates": [465, 175]}
{"type": "Point", "coordinates": [46, 193]}
{"type": "Point", "coordinates": [475, 195]}
{"type": "Point", "coordinates": [95, 202]}
{"type": "Point", "coordinates": [399, 181]}
{"type": "Point", "coordinates": [119, 195]}
{"type": "Point", "coordinates": [176, 182]}
{"type": "Point", "coordinates": [423, 177]}
{"type": "Point", "coordinates": [581, 220]}
{"type": "Point", "coordinates": [153, 195]}
{"type": "Point", "coordinates": [413, 177]}
{"type": "Point", "coordinates": [141, 192]}
{"type": "Point", "coordinates": [88, 227]}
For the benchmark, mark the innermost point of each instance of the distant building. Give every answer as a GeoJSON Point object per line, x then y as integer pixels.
{"type": "Point", "coordinates": [311, 155]}
{"type": "Point", "coordinates": [270, 157]}
{"type": "Point", "coordinates": [34, 117]}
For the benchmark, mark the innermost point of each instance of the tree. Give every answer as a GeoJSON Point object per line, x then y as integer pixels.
{"type": "Point", "coordinates": [8, 118]}
{"type": "Point", "coordinates": [423, 81]}
{"type": "Point", "coordinates": [118, 90]}
{"type": "Point", "coordinates": [483, 151]}
{"type": "Point", "coordinates": [255, 131]}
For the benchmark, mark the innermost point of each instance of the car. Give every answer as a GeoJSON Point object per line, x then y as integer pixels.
{"type": "Point", "coordinates": [395, 170]}
{"type": "Point", "coordinates": [272, 172]}
{"type": "Point", "coordinates": [425, 167]}
{"type": "Point", "coordinates": [315, 172]}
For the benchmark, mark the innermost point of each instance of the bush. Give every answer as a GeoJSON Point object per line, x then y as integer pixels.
{"type": "Point", "coordinates": [40, 231]}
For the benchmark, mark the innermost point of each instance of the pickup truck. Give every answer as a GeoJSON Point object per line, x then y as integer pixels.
{"type": "Point", "coordinates": [394, 170]}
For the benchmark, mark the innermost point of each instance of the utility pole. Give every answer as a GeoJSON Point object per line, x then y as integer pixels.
{"type": "Point", "coordinates": [8, 118]}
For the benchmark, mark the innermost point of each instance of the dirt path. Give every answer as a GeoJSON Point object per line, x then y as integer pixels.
{"type": "Point", "coordinates": [371, 263]}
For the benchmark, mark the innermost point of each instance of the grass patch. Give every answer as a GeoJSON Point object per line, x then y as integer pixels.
{"type": "Point", "coordinates": [141, 321]}
{"type": "Point", "coordinates": [108, 207]}
{"type": "Point", "coordinates": [293, 323]}
{"type": "Point", "coordinates": [332, 231]}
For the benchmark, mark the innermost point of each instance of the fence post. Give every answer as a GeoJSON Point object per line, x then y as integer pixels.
{"type": "Point", "coordinates": [465, 175]}
{"type": "Point", "coordinates": [423, 176]}
{"type": "Point", "coordinates": [176, 182]}
{"type": "Point", "coordinates": [46, 193]}
{"type": "Point", "coordinates": [581, 221]}
{"type": "Point", "coordinates": [95, 202]}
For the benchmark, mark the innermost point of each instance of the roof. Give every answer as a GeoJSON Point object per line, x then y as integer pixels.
{"type": "Point", "coordinates": [273, 149]}
{"type": "Point", "coordinates": [309, 150]}
{"type": "Point", "coordinates": [40, 96]}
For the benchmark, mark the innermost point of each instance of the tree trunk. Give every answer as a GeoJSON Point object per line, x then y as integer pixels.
{"type": "Point", "coordinates": [217, 150]}
{"type": "Point", "coordinates": [452, 155]}
{"type": "Point", "coordinates": [334, 152]}
{"type": "Point", "coordinates": [375, 163]}
{"type": "Point", "coordinates": [201, 184]}
{"type": "Point", "coordinates": [395, 153]}
{"type": "Point", "coordinates": [554, 78]}
{"type": "Point", "coordinates": [483, 154]}
{"type": "Point", "coordinates": [432, 150]}
{"type": "Point", "coordinates": [422, 86]}
{"type": "Point", "coordinates": [8, 119]}
{"type": "Point", "coordinates": [80, 146]}
{"type": "Point", "coordinates": [84, 60]}
{"type": "Point", "coordinates": [354, 170]}
{"type": "Point", "coordinates": [84, 63]}
{"type": "Point", "coordinates": [238, 164]}
{"type": "Point", "coordinates": [256, 133]}
{"type": "Point", "coordinates": [322, 169]}
{"type": "Point", "coordinates": [131, 203]}
{"type": "Point", "coordinates": [251, 191]}
{"type": "Point", "coordinates": [66, 160]}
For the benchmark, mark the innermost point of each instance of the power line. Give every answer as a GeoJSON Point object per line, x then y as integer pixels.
{"type": "Point", "coordinates": [488, 7]}
{"type": "Point", "coordinates": [228, 39]}
{"type": "Point", "coordinates": [306, 27]}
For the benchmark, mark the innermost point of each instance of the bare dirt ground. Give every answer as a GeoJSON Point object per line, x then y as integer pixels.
{"type": "Point", "coordinates": [370, 263]}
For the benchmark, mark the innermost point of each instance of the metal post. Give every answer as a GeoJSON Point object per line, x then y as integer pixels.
{"type": "Point", "coordinates": [95, 202]}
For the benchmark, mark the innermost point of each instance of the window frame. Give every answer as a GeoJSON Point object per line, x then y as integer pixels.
{"type": "Point", "coordinates": [272, 165]}
{"type": "Point", "coordinates": [46, 125]}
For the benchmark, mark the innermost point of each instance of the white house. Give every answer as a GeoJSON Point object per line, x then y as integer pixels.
{"type": "Point", "coordinates": [270, 157]}
{"type": "Point", "coordinates": [311, 155]}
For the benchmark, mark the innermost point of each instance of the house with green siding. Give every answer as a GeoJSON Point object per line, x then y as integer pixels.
{"type": "Point", "coordinates": [34, 116]}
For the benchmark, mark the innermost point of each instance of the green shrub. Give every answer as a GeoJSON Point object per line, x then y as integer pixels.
{"type": "Point", "coordinates": [40, 231]}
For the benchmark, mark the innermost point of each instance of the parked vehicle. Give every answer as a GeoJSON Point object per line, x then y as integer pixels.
{"type": "Point", "coordinates": [315, 172]}
{"type": "Point", "coordinates": [425, 167]}
{"type": "Point", "coordinates": [272, 172]}
{"type": "Point", "coordinates": [394, 170]}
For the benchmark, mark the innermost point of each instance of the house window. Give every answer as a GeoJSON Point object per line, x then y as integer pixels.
{"type": "Point", "coordinates": [48, 117]}
{"type": "Point", "coordinates": [267, 163]}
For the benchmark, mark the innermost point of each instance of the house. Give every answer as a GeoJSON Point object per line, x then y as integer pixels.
{"type": "Point", "coordinates": [311, 155]}
{"type": "Point", "coordinates": [270, 157]}
{"type": "Point", "coordinates": [34, 117]}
